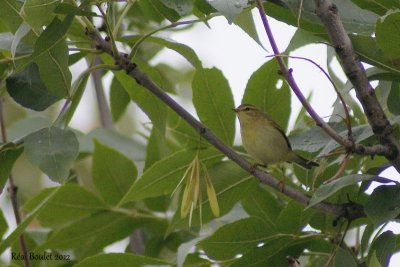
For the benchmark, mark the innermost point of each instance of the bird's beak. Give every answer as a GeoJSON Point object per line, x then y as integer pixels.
{"type": "Point", "coordinates": [235, 109]}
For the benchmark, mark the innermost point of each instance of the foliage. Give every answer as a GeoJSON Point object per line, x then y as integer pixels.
{"type": "Point", "coordinates": [82, 191]}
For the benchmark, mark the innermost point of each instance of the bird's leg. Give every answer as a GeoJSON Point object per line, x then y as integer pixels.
{"type": "Point", "coordinates": [281, 184]}
{"type": "Point", "coordinates": [255, 165]}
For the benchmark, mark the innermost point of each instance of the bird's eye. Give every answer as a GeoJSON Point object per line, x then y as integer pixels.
{"type": "Point", "coordinates": [247, 109]}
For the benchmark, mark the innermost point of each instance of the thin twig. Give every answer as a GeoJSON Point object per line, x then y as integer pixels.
{"type": "Point", "coordinates": [346, 110]}
{"type": "Point", "coordinates": [341, 169]}
{"type": "Point", "coordinates": [12, 189]}
{"type": "Point", "coordinates": [295, 88]}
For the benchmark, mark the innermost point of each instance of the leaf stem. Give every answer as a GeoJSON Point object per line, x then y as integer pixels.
{"type": "Point", "coordinates": [110, 33]}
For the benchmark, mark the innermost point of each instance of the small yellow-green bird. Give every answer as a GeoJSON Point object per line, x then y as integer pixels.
{"type": "Point", "coordinates": [264, 140]}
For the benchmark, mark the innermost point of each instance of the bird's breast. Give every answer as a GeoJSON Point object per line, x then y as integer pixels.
{"type": "Point", "coordinates": [266, 144]}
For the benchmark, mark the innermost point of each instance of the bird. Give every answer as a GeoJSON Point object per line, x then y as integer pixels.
{"type": "Point", "coordinates": [264, 140]}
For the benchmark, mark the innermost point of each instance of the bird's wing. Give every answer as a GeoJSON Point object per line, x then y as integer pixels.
{"type": "Point", "coordinates": [283, 133]}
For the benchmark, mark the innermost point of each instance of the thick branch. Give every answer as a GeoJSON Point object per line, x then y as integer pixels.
{"type": "Point", "coordinates": [349, 211]}
{"type": "Point", "coordinates": [354, 70]}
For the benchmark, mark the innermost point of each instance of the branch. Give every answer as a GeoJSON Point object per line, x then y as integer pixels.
{"type": "Point", "coordinates": [355, 72]}
{"type": "Point", "coordinates": [349, 210]}
{"type": "Point", "coordinates": [12, 189]}
{"type": "Point", "coordinates": [384, 149]}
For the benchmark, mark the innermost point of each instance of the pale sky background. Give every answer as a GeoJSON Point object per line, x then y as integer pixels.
{"type": "Point", "coordinates": [231, 50]}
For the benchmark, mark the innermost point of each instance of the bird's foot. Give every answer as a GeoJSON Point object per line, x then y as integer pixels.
{"type": "Point", "coordinates": [255, 165]}
{"type": "Point", "coordinates": [281, 186]}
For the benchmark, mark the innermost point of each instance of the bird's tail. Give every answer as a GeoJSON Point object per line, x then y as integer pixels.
{"type": "Point", "coordinates": [303, 162]}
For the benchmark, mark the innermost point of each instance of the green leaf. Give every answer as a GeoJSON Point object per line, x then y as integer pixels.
{"type": "Point", "coordinates": [368, 50]}
{"type": "Point", "coordinates": [6, 243]}
{"type": "Point", "coordinates": [273, 252]}
{"type": "Point", "coordinates": [311, 140]}
{"type": "Point", "coordinates": [290, 218]}
{"type": "Point", "coordinates": [344, 258]}
{"type": "Point", "coordinates": [394, 98]}
{"type": "Point", "coordinates": [113, 173]}
{"type": "Point", "coordinates": [182, 49]}
{"type": "Point", "coordinates": [246, 22]}
{"type": "Point", "coordinates": [360, 133]}
{"type": "Point", "coordinates": [164, 175]}
{"type": "Point", "coordinates": [154, 108]}
{"type": "Point", "coordinates": [38, 12]}
{"type": "Point", "coordinates": [51, 55]}
{"type": "Point", "coordinates": [121, 260]}
{"type": "Point", "coordinates": [70, 203]}
{"type": "Point", "coordinates": [196, 259]}
{"type": "Point", "coordinates": [97, 230]}
{"type": "Point", "coordinates": [366, 236]}
{"type": "Point", "coordinates": [236, 238]}
{"type": "Point", "coordinates": [10, 14]}
{"type": "Point", "coordinates": [156, 149]}
{"type": "Point", "coordinates": [3, 225]}
{"type": "Point", "coordinates": [53, 150]}
{"type": "Point", "coordinates": [327, 190]}
{"type": "Point", "coordinates": [263, 205]}
{"type": "Point", "coordinates": [25, 126]}
{"type": "Point", "coordinates": [282, 12]}
{"type": "Point", "coordinates": [129, 147]}
{"type": "Point", "coordinates": [213, 100]}
{"type": "Point", "coordinates": [378, 7]}
{"type": "Point", "coordinates": [388, 34]}
{"type": "Point", "coordinates": [158, 11]}
{"type": "Point", "coordinates": [302, 38]}
{"type": "Point", "coordinates": [69, 9]}
{"type": "Point", "coordinates": [354, 18]}
{"type": "Point", "coordinates": [374, 262]}
{"type": "Point", "coordinates": [383, 204]}
{"type": "Point", "coordinates": [54, 34]}
{"type": "Point", "coordinates": [22, 31]}
{"type": "Point", "coordinates": [119, 99]}
{"type": "Point", "coordinates": [78, 88]}
{"type": "Point", "coordinates": [181, 132]}
{"type": "Point", "coordinates": [9, 153]}
{"type": "Point", "coordinates": [267, 90]}
{"type": "Point", "coordinates": [383, 247]}
{"type": "Point", "coordinates": [182, 7]}
{"type": "Point", "coordinates": [230, 9]}
{"type": "Point", "coordinates": [28, 90]}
